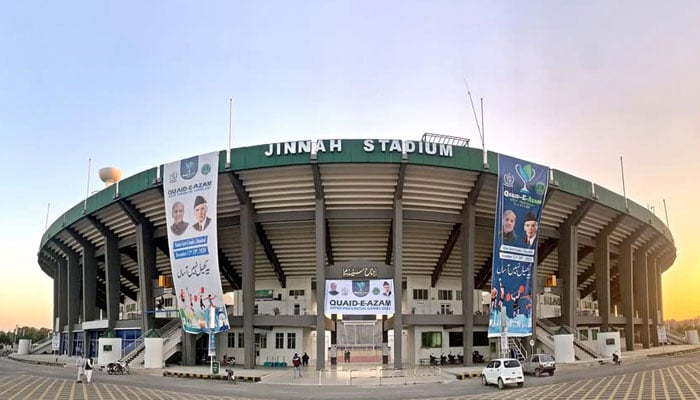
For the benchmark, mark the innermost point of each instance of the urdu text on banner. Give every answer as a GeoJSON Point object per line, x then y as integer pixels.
{"type": "Point", "coordinates": [190, 191]}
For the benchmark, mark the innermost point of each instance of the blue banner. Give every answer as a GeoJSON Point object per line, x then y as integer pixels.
{"type": "Point", "coordinates": [522, 187]}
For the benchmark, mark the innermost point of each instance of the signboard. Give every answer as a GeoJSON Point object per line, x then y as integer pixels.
{"type": "Point", "coordinates": [190, 195]}
{"type": "Point", "coordinates": [661, 333]}
{"type": "Point", "coordinates": [359, 297]}
{"type": "Point", "coordinates": [522, 186]}
{"type": "Point", "coordinates": [212, 345]}
{"type": "Point", "coordinates": [56, 342]}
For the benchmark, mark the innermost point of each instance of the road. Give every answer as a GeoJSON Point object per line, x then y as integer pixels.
{"type": "Point", "coordinates": [674, 377]}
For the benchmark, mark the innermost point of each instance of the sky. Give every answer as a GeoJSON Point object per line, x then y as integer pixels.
{"type": "Point", "coordinates": [135, 84]}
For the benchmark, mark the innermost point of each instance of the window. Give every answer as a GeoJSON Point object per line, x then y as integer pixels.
{"type": "Point", "coordinates": [420, 294]}
{"type": "Point", "coordinates": [480, 338]}
{"type": "Point", "coordinates": [240, 340]}
{"type": "Point", "coordinates": [583, 334]}
{"type": "Point", "coordinates": [255, 310]}
{"type": "Point", "coordinates": [594, 334]}
{"type": "Point", "coordinates": [231, 339]}
{"type": "Point", "coordinates": [296, 292]}
{"type": "Point", "coordinates": [456, 339]}
{"type": "Point", "coordinates": [459, 295]}
{"type": "Point", "coordinates": [297, 309]}
{"type": "Point", "coordinates": [445, 309]}
{"type": "Point", "coordinates": [291, 340]}
{"type": "Point", "coordinates": [168, 302]}
{"type": "Point", "coordinates": [261, 340]}
{"type": "Point", "coordinates": [444, 295]}
{"type": "Point", "coordinates": [279, 340]}
{"type": "Point", "coordinates": [431, 339]}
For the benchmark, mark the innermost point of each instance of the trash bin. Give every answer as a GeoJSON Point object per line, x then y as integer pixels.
{"type": "Point", "coordinates": [215, 368]}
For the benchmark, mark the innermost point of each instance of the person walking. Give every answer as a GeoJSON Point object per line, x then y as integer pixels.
{"type": "Point", "coordinates": [296, 363]}
{"type": "Point", "coordinates": [80, 363]}
{"type": "Point", "coordinates": [89, 366]}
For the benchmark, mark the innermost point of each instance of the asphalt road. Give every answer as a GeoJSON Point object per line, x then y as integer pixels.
{"type": "Point", "coordinates": [674, 377]}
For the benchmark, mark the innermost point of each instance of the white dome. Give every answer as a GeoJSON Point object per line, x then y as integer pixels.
{"type": "Point", "coordinates": [110, 175]}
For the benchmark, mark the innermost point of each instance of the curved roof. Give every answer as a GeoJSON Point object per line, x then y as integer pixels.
{"type": "Point", "coordinates": [358, 181]}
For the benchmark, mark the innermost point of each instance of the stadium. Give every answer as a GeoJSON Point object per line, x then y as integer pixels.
{"type": "Point", "coordinates": [293, 216]}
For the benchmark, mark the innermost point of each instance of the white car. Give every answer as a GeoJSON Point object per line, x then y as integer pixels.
{"type": "Point", "coordinates": [503, 371]}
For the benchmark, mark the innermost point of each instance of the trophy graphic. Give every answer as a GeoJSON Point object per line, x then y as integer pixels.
{"type": "Point", "coordinates": [526, 174]}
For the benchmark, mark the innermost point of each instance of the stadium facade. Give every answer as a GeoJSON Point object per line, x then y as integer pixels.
{"type": "Point", "coordinates": [293, 216]}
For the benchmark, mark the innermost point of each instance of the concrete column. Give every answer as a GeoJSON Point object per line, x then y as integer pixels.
{"type": "Point", "coordinates": [112, 276]}
{"type": "Point", "coordinates": [652, 299]}
{"type": "Point", "coordinates": [601, 259]}
{"type": "Point", "coordinates": [467, 237]}
{"type": "Point", "coordinates": [568, 262]}
{"type": "Point", "coordinates": [56, 297]}
{"type": "Point", "coordinates": [398, 278]}
{"type": "Point", "coordinates": [626, 292]}
{"type": "Point", "coordinates": [248, 239]}
{"type": "Point", "coordinates": [659, 292]}
{"type": "Point", "coordinates": [146, 254]}
{"type": "Point", "coordinates": [639, 276]}
{"type": "Point", "coordinates": [62, 266]}
{"type": "Point", "coordinates": [74, 291]}
{"type": "Point", "coordinates": [89, 283]}
{"type": "Point", "coordinates": [189, 348]}
{"type": "Point", "coordinates": [320, 222]}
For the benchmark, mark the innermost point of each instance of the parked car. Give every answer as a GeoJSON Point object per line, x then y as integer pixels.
{"type": "Point", "coordinates": [503, 371]}
{"type": "Point", "coordinates": [538, 364]}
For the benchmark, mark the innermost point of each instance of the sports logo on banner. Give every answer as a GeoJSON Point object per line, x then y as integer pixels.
{"type": "Point", "coordinates": [522, 187]}
{"type": "Point", "coordinates": [360, 297]}
{"type": "Point", "coordinates": [190, 190]}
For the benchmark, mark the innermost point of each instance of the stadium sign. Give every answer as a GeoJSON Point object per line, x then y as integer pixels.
{"type": "Point", "coordinates": [368, 145]}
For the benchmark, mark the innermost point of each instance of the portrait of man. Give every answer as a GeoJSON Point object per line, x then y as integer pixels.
{"type": "Point", "coordinates": [334, 289]}
{"type": "Point", "coordinates": [200, 214]}
{"type": "Point", "coordinates": [530, 228]}
{"type": "Point", "coordinates": [387, 289]}
{"type": "Point", "coordinates": [178, 226]}
{"type": "Point", "coordinates": [508, 236]}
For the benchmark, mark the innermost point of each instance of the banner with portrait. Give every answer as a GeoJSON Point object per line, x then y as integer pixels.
{"type": "Point", "coordinates": [359, 297]}
{"type": "Point", "coordinates": [190, 190]}
{"type": "Point", "coordinates": [522, 186]}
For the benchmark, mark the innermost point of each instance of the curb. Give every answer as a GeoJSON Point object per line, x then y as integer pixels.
{"type": "Point", "coordinates": [674, 353]}
{"type": "Point", "coordinates": [49, 363]}
{"type": "Point", "coordinates": [253, 379]}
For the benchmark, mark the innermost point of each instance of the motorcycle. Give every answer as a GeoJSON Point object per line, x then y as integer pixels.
{"type": "Point", "coordinates": [231, 375]}
{"type": "Point", "coordinates": [476, 357]}
{"type": "Point", "coordinates": [118, 368]}
{"type": "Point", "coordinates": [451, 358]}
{"type": "Point", "coordinates": [433, 360]}
{"type": "Point", "coordinates": [616, 359]}
{"type": "Point", "coordinates": [228, 361]}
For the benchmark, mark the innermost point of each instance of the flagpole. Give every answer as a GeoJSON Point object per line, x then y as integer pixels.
{"type": "Point", "coordinates": [87, 191]}
{"type": "Point", "coordinates": [230, 119]}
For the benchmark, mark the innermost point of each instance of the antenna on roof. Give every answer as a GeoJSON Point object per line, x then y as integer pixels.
{"type": "Point", "coordinates": [46, 224]}
{"type": "Point", "coordinates": [666, 212]}
{"type": "Point", "coordinates": [480, 128]}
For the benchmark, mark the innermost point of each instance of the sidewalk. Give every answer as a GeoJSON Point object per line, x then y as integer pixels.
{"type": "Point", "coordinates": [345, 373]}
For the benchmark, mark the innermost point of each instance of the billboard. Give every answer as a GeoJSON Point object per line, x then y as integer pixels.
{"type": "Point", "coordinates": [522, 186]}
{"type": "Point", "coordinates": [359, 297]}
{"type": "Point", "coordinates": [190, 195]}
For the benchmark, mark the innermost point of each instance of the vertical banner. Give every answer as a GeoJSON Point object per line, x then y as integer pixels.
{"type": "Point", "coordinates": [522, 187]}
{"type": "Point", "coordinates": [190, 190]}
